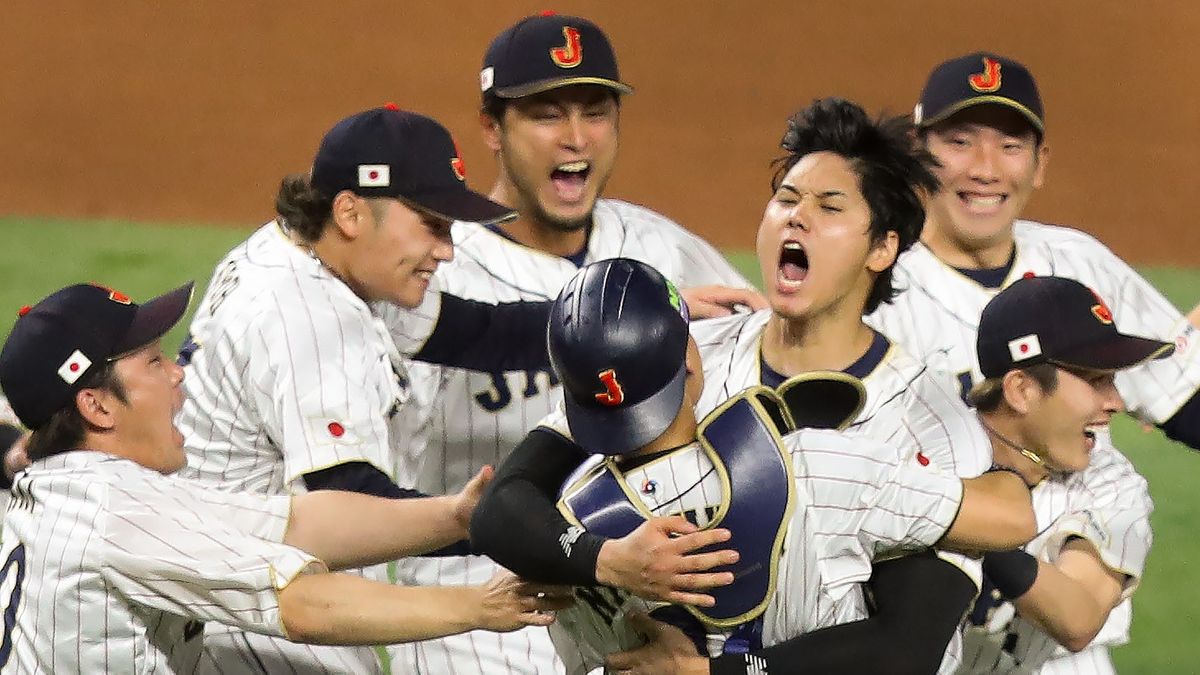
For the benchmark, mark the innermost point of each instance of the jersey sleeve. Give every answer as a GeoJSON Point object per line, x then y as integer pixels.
{"type": "Point", "coordinates": [1153, 391]}
{"type": "Point", "coordinates": [1110, 507]}
{"type": "Point", "coordinates": [411, 328]}
{"type": "Point", "coordinates": [324, 386]}
{"type": "Point", "coordinates": [167, 551]}
{"type": "Point", "coordinates": [944, 429]}
{"type": "Point", "coordinates": [703, 265]}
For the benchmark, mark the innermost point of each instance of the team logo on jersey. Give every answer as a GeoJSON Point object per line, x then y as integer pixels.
{"type": "Point", "coordinates": [456, 163]}
{"type": "Point", "coordinates": [1024, 348]}
{"type": "Point", "coordinates": [114, 295]}
{"type": "Point", "coordinates": [614, 393]}
{"type": "Point", "coordinates": [1101, 310]}
{"type": "Point", "coordinates": [74, 367]}
{"type": "Point", "coordinates": [570, 54]}
{"type": "Point", "coordinates": [987, 81]}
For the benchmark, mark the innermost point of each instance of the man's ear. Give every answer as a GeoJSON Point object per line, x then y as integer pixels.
{"type": "Point", "coordinates": [883, 254]}
{"type": "Point", "coordinates": [490, 127]}
{"type": "Point", "coordinates": [1020, 391]}
{"type": "Point", "coordinates": [349, 214]}
{"type": "Point", "coordinates": [96, 407]}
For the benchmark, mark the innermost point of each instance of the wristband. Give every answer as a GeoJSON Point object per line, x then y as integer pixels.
{"type": "Point", "coordinates": [1012, 572]}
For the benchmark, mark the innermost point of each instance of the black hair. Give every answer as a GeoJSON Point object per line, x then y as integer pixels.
{"type": "Point", "coordinates": [301, 208]}
{"type": "Point", "coordinates": [66, 428]}
{"type": "Point", "coordinates": [894, 171]}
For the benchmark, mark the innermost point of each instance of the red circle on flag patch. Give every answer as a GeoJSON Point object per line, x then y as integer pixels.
{"type": "Point", "coordinates": [922, 459]}
{"type": "Point", "coordinates": [373, 175]}
{"type": "Point", "coordinates": [1024, 348]}
{"type": "Point", "coordinates": [336, 430]}
{"type": "Point", "coordinates": [74, 367]}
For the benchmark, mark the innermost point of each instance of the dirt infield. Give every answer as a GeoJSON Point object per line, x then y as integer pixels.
{"type": "Point", "coordinates": [192, 111]}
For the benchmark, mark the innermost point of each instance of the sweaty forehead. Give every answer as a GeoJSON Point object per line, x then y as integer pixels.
{"type": "Point", "coordinates": [821, 173]}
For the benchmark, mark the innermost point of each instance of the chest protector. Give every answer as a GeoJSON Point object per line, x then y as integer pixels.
{"type": "Point", "coordinates": [743, 440]}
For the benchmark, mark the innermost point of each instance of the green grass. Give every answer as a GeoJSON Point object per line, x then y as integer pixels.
{"type": "Point", "coordinates": [41, 256]}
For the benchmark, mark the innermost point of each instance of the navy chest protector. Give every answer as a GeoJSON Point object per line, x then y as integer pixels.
{"type": "Point", "coordinates": [743, 440]}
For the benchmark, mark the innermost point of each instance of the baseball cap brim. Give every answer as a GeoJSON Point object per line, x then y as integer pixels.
{"type": "Point", "coordinates": [981, 100]}
{"type": "Point", "coordinates": [461, 204]}
{"type": "Point", "coordinates": [154, 318]}
{"type": "Point", "coordinates": [618, 431]}
{"type": "Point", "coordinates": [532, 88]}
{"type": "Point", "coordinates": [1120, 352]}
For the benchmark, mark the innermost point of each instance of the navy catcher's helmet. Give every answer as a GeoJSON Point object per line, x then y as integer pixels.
{"type": "Point", "coordinates": [618, 337]}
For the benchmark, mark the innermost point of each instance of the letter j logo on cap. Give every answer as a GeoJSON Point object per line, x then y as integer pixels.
{"type": "Point", "coordinates": [989, 80]}
{"type": "Point", "coordinates": [613, 394]}
{"type": "Point", "coordinates": [570, 54]}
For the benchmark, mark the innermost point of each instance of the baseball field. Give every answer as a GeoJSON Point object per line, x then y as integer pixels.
{"type": "Point", "coordinates": [142, 260]}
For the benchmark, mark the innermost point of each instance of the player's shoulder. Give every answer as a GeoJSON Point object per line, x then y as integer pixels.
{"type": "Point", "coordinates": [1059, 237]}
{"type": "Point", "coordinates": [619, 218]}
{"type": "Point", "coordinates": [709, 333]}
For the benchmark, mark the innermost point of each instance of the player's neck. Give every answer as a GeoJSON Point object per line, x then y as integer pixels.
{"type": "Point", "coordinates": [1010, 449]}
{"type": "Point", "coordinates": [527, 230]}
{"type": "Point", "coordinates": [959, 252]}
{"type": "Point", "coordinates": [791, 347]}
{"type": "Point", "coordinates": [332, 255]}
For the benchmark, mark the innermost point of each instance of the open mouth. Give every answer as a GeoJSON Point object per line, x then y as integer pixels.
{"type": "Point", "coordinates": [793, 263]}
{"type": "Point", "coordinates": [981, 202]}
{"type": "Point", "coordinates": [569, 179]}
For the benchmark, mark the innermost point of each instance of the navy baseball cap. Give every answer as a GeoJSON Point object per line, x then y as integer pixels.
{"type": "Point", "coordinates": [547, 51]}
{"type": "Point", "coordinates": [1060, 321]}
{"type": "Point", "coordinates": [617, 338]}
{"type": "Point", "coordinates": [976, 79]}
{"type": "Point", "coordinates": [394, 153]}
{"type": "Point", "coordinates": [58, 341]}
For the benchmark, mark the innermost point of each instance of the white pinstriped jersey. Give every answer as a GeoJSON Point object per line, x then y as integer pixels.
{"type": "Point", "coordinates": [112, 568]}
{"type": "Point", "coordinates": [1109, 505]}
{"type": "Point", "coordinates": [479, 417]}
{"type": "Point", "coordinates": [293, 373]}
{"type": "Point", "coordinates": [936, 317]}
{"type": "Point", "coordinates": [853, 501]}
{"type": "Point", "coordinates": [910, 407]}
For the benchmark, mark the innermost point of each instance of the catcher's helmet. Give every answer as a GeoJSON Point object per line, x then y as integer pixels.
{"type": "Point", "coordinates": [618, 337]}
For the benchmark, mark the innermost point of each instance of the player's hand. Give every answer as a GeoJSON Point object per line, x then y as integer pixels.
{"type": "Point", "coordinates": [667, 650]}
{"type": "Point", "coordinates": [468, 498]}
{"type": "Point", "coordinates": [657, 562]}
{"type": "Point", "coordinates": [707, 302]}
{"type": "Point", "coordinates": [508, 603]}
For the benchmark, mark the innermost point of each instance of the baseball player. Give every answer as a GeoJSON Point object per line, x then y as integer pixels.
{"type": "Point", "coordinates": [112, 565]}
{"type": "Point", "coordinates": [551, 96]}
{"type": "Point", "coordinates": [846, 202]}
{"type": "Point", "coordinates": [981, 115]}
{"type": "Point", "coordinates": [816, 498]}
{"type": "Point", "coordinates": [294, 382]}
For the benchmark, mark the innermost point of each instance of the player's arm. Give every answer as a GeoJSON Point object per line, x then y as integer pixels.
{"type": "Point", "coordinates": [488, 337]}
{"type": "Point", "coordinates": [1070, 600]}
{"type": "Point", "coordinates": [651, 562]}
{"type": "Point", "coordinates": [996, 514]}
{"type": "Point", "coordinates": [344, 609]}
{"type": "Point", "coordinates": [347, 529]}
{"type": "Point", "coordinates": [919, 602]}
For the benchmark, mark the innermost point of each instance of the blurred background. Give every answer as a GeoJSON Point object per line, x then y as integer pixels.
{"type": "Point", "coordinates": [142, 140]}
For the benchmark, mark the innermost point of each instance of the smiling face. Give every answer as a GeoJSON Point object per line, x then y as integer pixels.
{"type": "Point", "coordinates": [991, 163]}
{"type": "Point", "coordinates": [395, 251]}
{"type": "Point", "coordinates": [814, 244]}
{"type": "Point", "coordinates": [556, 151]}
{"type": "Point", "coordinates": [1061, 424]}
{"type": "Point", "coordinates": [145, 421]}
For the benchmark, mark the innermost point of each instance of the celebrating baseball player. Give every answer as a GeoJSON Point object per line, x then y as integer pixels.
{"type": "Point", "coordinates": [981, 116]}
{"type": "Point", "coordinates": [551, 98]}
{"type": "Point", "coordinates": [797, 495]}
{"type": "Point", "coordinates": [112, 565]}
{"type": "Point", "coordinates": [294, 382]}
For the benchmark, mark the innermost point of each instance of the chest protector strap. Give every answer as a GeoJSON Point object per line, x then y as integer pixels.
{"type": "Point", "coordinates": [743, 441]}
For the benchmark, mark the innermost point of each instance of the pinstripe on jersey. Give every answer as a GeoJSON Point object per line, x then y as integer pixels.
{"type": "Point", "coordinates": [478, 418]}
{"type": "Point", "coordinates": [293, 373]}
{"type": "Point", "coordinates": [854, 500]}
{"type": "Point", "coordinates": [121, 563]}
{"type": "Point", "coordinates": [937, 315]}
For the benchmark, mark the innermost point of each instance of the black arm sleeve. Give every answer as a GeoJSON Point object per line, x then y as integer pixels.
{"type": "Point", "coordinates": [1184, 425]}
{"type": "Point", "coordinates": [489, 337]}
{"type": "Point", "coordinates": [517, 522]}
{"type": "Point", "coordinates": [919, 602]}
{"type": "Point", "coordinates": [366, 479]}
